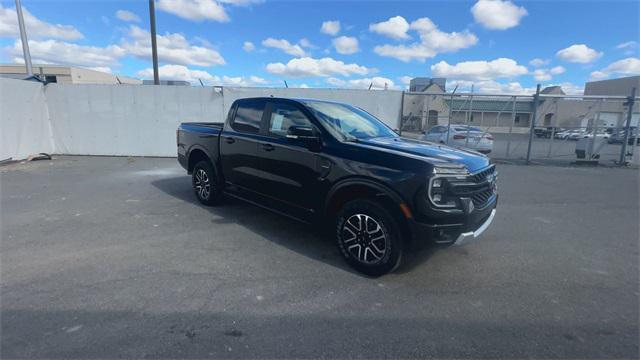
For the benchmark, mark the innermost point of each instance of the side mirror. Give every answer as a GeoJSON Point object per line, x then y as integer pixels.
{"type": "Point", "coordinates": [306, 135]}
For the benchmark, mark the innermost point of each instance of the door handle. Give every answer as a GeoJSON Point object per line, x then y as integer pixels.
{"type": "Point", "coordinates": [268, 147]}
{"type": "Point", "coordinates": [229, 140]}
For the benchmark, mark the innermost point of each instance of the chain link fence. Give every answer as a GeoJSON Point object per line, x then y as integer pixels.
{"type": "Point", "coordinates": [546, 127]}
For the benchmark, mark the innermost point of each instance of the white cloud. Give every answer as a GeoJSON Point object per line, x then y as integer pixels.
{"type": "Point", "coordinates": [181, 72]}
{"type": "Point", "coordinates": [513, 87]}
{"type": "Point", "coordinates": [432, 42]}
{"type": "Point", "coordinates": [304, 42]}
{"type": "Point", "coordinates": [307, 66]}
{"type": "Point", "coordinates": [479, 70]}
{"type": "Point", "coordinates": [172, 48]}
{"type": "Point", "coordinates": [284, 45]}
{"type": "Point", "coordinates": [405, 80]}
{"type": "Point", "coordinates": [60, 52]}
{"type": "Point", "coordinates": [626, 67]}
{"type": "Point", "coordinates": [396, 28]}
{"type": "Point", "coordinates": [241, 2]}
{"type": "Point", "coordinates": [336, 82]}
{"type": "Point", "coordinates": [376, 83]}
{"type": "Point", "coordinates": [498, 14]}
{"type": "Point", "coordinates": [196, 10]}
{"type": "Point", "coordinates": [492, 87]}
{"type": "Point", "coordinates": [346, 45]}
{"type": "Point", "coordinates": [547, 74]}
{"type": "Point", "coordinates": [104, 69]}
{"type": "Point", "coordinates": [628, 45]}
{"type": "Point", "coordinates": [128, 16]}
{"type": "Point", "coordinates": [331, 27]}
{"type": "Point", "coordinates": [578, 53]}
{"type": "Point", "coordinates": [242, 81]}
{"type": "Point", "coordinates": [537, 62]}
{"type": "Point", "coordinates": [248, 46]}
{"type": "Point", "coordinates": [178, 72]}
{"type": "Point", "coordinates": [36, 28]}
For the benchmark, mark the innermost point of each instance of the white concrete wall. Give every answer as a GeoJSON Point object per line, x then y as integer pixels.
{"type": "Point", "coordinates": [24, 120]}
{"type": "Point", "coordinates": [137, 120]}
{"type": "Point", "coordinates": [126, 119]}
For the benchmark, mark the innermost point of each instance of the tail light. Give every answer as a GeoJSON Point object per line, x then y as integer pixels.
{"type": "Point", "coordinates": [177, 136]}
{"type": "Point", "coordinates": [459, 137]}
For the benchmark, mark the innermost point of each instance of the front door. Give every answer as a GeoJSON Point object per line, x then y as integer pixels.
{"type": "Point", "coordinates": [289, 169]}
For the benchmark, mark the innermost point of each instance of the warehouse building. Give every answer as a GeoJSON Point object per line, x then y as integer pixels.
{"type": "Point", "coordinates": [66, 75]}
{"type": "Point", "coordinates": [434, 106]}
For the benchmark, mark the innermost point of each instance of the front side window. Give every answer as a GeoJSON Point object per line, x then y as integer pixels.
{"type": "Point", "coordinates": [248, 116]}
{"type": "Point", "coordinates": [347, 122]}
{"type": "Point", "coordinates": [283, 116]}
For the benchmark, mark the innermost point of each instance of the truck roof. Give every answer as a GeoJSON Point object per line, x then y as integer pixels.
{"type": "Point", "coordinates": [299, 100]}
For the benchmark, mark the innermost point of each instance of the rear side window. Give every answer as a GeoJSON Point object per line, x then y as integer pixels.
{"type": "Point", "coordinates": [248, 116]}
{"type": "Point", "coordinates": [284, 116]}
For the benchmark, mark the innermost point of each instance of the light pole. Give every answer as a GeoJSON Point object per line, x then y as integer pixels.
{"type": "Point", "coordinates": [154, 45]}
{"type": "Point", "coordinates": [23, 38]}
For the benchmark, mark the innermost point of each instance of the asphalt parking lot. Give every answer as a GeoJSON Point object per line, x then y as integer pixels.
{"type": "Point", "coordinates": [114, 258]}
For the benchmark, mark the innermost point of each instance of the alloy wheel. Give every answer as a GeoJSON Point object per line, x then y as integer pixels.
{"type": "Point", "coordinates": [202, 184]}
{"type": "Point", "coordinates": [364, 238]}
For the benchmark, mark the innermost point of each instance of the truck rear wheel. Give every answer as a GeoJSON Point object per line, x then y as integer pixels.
{"type": "Point", "coordinates": [369, 237]}
{"type": "Point", "coordinates": [205, 183]}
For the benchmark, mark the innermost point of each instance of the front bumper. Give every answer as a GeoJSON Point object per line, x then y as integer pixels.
{"type": "Point", "coordinates": [454, 229]}
{"type": "Point", "coordinates": [467, 237]}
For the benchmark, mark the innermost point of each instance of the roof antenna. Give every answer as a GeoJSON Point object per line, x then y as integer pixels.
{"type": "Point", "coordinates": [285, 84]}
{"type": "Point", "coordinates": [118, 80]}
{"type": "Point", "coordinates": [370, 85]}
{"type": "Point", "coordinates": [201, 83]}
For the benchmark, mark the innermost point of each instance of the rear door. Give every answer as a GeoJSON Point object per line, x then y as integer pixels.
{"type": "Point", "coordinates": [239, 144]}
{"type": "Point", "coordinates": [289, 169]}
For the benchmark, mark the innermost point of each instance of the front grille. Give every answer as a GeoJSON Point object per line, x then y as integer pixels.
{"type": "Point", "coordinates": [483, 195]}
{"type": "Point", "coordinates": [480, 199]}
{"type": "Point", "coordinates": [482, 175]}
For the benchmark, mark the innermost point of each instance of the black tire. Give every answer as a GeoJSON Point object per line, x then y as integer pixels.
{"type": "Point", "coordinates": [205, 184]}
{"type": "Point", "coordinates": [354, 240]}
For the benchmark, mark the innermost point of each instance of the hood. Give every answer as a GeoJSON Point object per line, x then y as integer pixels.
{"type": "Point", "coordinates": [472, 160]}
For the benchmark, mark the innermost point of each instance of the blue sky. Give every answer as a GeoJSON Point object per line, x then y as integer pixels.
{"type": "Point", "coordinates": [492, 44]}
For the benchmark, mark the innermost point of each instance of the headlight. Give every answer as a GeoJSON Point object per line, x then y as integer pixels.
{"type": "Point", "coordinates": [451, 170]}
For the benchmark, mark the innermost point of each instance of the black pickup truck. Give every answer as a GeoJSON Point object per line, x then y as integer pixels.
{"type": "Point", "coordinates": [336, 165]}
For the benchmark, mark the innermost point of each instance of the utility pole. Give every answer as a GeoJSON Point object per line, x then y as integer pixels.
{"type": "Point", "coordinates": [23, 38]}
{"type": "Point", "coordinates": [534, 114]}
{"type": "Point", "coordinates": [154, 45]}
{"type": "Point", "coordinates": [627, 129]}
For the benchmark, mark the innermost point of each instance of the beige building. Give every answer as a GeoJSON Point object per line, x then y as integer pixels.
{"type": "Point", "coordinates": [66, 75]}
{"type": "Point", "coordinates": [434, 106]}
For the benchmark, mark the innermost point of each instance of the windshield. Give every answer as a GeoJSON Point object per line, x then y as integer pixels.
{"type": "Point", "coordinates": [347, 122]}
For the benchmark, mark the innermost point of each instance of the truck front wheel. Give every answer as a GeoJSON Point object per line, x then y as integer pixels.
{"type": "Point", "coordinates": [205, 184]}
{"type": "Point", "coordinates": [369, 237]}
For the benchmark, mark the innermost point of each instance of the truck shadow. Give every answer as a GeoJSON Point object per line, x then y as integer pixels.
{"type": "Point", "coordinates": [308, 240]}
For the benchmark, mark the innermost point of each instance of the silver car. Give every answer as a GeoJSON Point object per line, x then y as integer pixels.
{"type": "Point", "coordinates": [461, 135]}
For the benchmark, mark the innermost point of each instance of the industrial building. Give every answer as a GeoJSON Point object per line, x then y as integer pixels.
{"type": "Point", "coordinates": [433, 105]}
{"type": "Point", "coordinates": [66, 74]}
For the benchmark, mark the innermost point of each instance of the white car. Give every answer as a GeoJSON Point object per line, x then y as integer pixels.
{"type": "Point", "coordinates": [461, 135]}
{"type": "Point", "coordinates": [576, 134]}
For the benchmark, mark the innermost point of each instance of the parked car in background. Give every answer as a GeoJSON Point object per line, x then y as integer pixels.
{"type": "Point", "coordinates": [546, 132]}
{"type": "Point", "coordinates": [562, 135]}
{"type": "Point", "coordinates": [462, 136]}
{"type": "Point", "coordinates": [576, 134]}
{"type": "Point", "coordinates": [340, 167]}
{"type": "Point", "coordinates": [617, 137]}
